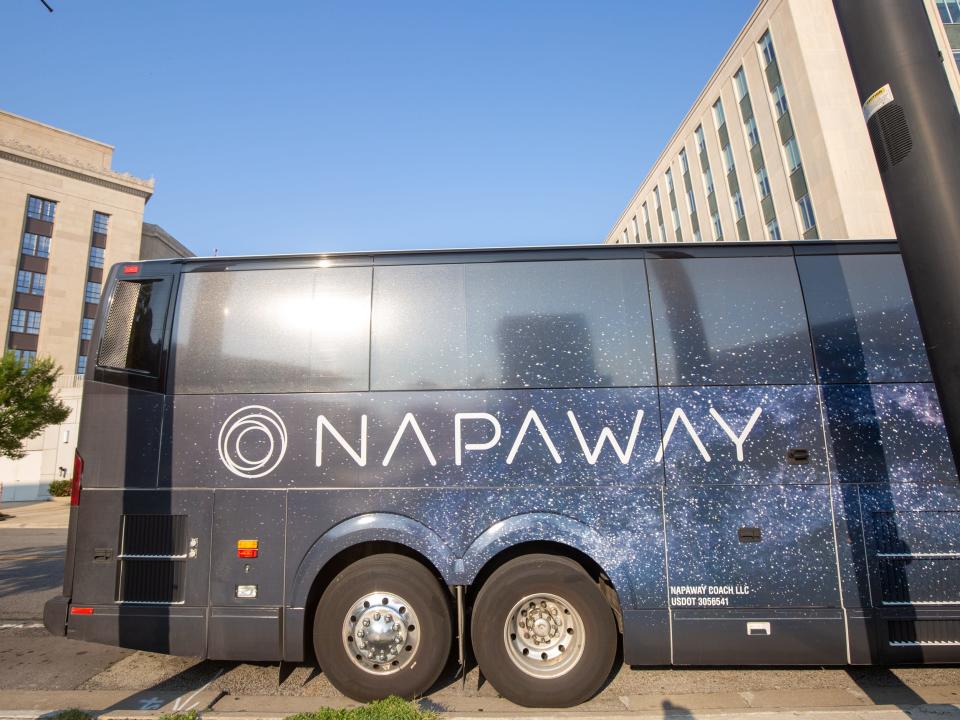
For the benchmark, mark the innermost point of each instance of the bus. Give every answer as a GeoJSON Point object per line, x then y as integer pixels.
{"type": "Point", "coordinates": [547, 460]}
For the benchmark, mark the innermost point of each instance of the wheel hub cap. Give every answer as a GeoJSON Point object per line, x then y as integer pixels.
{"type": "Point", "coordinates": [544, 635]}
{"type": "Point", "coordinates": [381, 633]}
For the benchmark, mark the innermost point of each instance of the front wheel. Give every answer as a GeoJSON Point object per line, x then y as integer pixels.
{"type": "Point", "coordinates": [542, 632]}
{"type": "Point", "coordinates": [383, 627]}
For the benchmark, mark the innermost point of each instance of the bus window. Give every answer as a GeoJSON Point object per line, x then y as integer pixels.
{"type": "Point", "coordinates": [862, 318]}
{"type": "Point", "coordinates": [583, 323]}
{"type": "Point", "coordinates": [133, 337]}
{"type": "Point", "coordinates": [262, 331]}
{"type": "Point", "coordinates": [729, 321]}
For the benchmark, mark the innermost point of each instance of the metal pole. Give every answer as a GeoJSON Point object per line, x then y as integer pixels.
{"type": "Point", "coordinates": [914, 125]}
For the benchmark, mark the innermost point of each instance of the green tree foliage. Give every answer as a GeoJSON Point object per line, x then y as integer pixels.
{"type": "Point", "coordinates": [27, 402]}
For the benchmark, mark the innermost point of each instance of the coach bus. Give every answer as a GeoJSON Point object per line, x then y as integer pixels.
{"type": "Point", "coordinates": [550, 460]}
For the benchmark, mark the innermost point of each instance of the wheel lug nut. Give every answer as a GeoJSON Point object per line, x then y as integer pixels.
{"type": "Point", "coordinates": [366, 623]}
{"type": "Point", "coordinates": [376, 616]}
{"type": "Point", "coordinates": [388, 618]}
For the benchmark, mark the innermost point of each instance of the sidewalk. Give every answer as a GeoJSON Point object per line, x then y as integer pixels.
{"type": "Point", "coordinates": [931, 703]}
{"type": "Point", "coordinates": [42, 515]}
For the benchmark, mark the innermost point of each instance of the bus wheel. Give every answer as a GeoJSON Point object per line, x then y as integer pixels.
{"type": "Point", "coordinates": [383, 627]}
{"type": "Point", "coordinates": [542, 633]}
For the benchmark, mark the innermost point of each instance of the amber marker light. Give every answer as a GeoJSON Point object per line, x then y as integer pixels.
{"type": "Point", "coordinates": [247, 549]}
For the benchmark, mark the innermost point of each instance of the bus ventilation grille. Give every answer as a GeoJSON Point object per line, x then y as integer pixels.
{"type": "Point", "coordinates": [914, 633]}
{"type": "Point", "coordinates": [152, 559]}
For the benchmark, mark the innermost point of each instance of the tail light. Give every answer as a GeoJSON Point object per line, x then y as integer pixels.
{"type": "Point", "coordinates": [77, 482]}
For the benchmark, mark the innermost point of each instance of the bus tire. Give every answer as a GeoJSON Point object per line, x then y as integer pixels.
{"type": "Point", "coordinates": [383, 627]}
{"type": "Point", "coordinates": [542, 632]}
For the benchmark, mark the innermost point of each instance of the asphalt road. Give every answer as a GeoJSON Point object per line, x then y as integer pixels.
{"type": "Point", "coordinates": [31, 570]}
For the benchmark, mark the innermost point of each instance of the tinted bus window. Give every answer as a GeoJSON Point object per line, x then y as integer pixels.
{"type": "Point", "coordinates": [729, 321]}
{"type": "Point", "coordinates": [262, 331]}
{"type": "Point", "coordinates": [512, 325]}
{"type": "Point", "coordinates": [133, 336]}
{"type": "Point", "coordinates": [864, 325]}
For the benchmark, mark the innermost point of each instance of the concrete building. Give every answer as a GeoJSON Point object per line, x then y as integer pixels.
{"type": "Point", "coordinates": [775, 146]}
{"type": "Point", "coordinates": [65, 217]}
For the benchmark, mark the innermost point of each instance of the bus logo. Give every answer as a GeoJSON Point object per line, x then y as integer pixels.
{"type": "Point", "coordinates": [252, 427]}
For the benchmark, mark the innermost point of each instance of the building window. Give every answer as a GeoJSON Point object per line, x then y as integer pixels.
{"type": "Point", "coordinates": [101, 222]}
{"type": "Point", "coordinates": [779, 99]}
{"type": "Point", "coordinates": [728, 163]}
{"type": "Point", "coordinates": [737, 202]}
{"type": "Point", "coordinates": [86, 329]}
{"type": "Point", "coordinates": [636, 229]}
{"type": "Point", "coordinates": [38, 245]}
{"type": "Point", "coordinates": [656, 198]}
{"type": "Point", "coordinates": [696, 236]}
{"type": "Point", "coordinates": [740, 82]}
{"type": "Point", "coordinates": [807, 219]}
{"type": "Point", "coordinates": [26, 357]}
{"type": "Point", "coordinates": [701, 140]}
{"type": "Point", "coordinates": [684, 165]}
{"type": "Point", "coordinates": [663, 233]}
{"type": "Point", "coordinates": [753, 134]}
{"type": "Point", "coordinates": [763, 182]}
{"type": "Point", "coordinates": [773, 230]}
{"type": "Point", "coordinates": [708, 181]}
{"type": "Point", "coordinates": [718, 115]}
{"type": "Point", "coordinates": [33, 323]}
{"type": "Point", "coordinates": [92, 293]}
{"type": "Point", "coordinates": [81, 364]}
{"type": "Point", "coordinates": [96, 257]}
{"type": "Point", "coordinates": [18, 321]}
{"type": "Point", "coordinates": [676, 220]}
{"type": "Point", "coordinates": [691, 203]}
{"type": "Point", "coordinates": [669, 177]}
{"type": "Point", "coordinates": [949, 11]}
{"type": "Point", "coordinates": [30, 282]}
{"type": "Point", "coordinates": [793, 155]}
{"type": "Point", "coordinates": [717, 227]}
{"type": "Point", "coordinates": [956, 58]}
{"type": "Point", "coordinates": [40, 209]}
{"type": "Point", "coordinates": [766, 48]}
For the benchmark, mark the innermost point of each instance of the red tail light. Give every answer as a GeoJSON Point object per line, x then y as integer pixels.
{"type": "Point", "coordinates": [131, 269]}
{"type": "Point", "coordinates": [81, 611]}
{"type": "Point", "coordinates": [77, 482]}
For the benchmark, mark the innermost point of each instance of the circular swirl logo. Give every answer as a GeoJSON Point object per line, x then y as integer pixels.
{"type": "Point", "coordinates": [252, 425]}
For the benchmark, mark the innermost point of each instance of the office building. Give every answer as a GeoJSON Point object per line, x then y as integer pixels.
{"type": "Point", "coordinates": [775, 147]}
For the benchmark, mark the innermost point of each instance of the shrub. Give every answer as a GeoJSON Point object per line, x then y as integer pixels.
{"type": "Point", "coordinates": [188, 715]}
{"type": "Point", "coordinates": [59, 488]}
{"type": "Point", "coordinates": [73, 714]}
{"type": "Point", "coordinates": [392, 708]}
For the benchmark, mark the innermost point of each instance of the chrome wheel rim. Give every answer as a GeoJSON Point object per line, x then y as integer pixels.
{"type": "Point", "coordinates": [381, 633]}
{"type": "Point", "coordinates": [544, 635]}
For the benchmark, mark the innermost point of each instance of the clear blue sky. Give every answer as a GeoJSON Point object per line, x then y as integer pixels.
{"type": "Point", "coordinates": [310, 126]}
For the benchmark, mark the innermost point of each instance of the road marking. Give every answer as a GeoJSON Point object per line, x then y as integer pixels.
{"type": "Point", "coordinates": [20, 626]}
{"type": "Point", "coordinates": [182, 703]}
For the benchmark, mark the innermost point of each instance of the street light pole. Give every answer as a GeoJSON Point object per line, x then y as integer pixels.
{"type": "Point", "coordinates": [914, 125]}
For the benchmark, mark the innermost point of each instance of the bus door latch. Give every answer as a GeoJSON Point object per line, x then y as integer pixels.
{"type": "Point", "coordinates": [798, 456]}
{"type": "Point", "coordinates": [758, 628]}
{"type": "Point", "coordinates": [102, 555]}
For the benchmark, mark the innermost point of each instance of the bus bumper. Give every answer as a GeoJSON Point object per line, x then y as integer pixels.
{"type": "Point", "coordinates": [55, 615]}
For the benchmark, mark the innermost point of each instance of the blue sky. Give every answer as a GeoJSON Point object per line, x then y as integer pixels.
{"type": "Point", "coordinates": [319, 126]}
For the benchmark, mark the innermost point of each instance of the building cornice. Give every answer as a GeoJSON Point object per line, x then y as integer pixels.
{"type": "Point", "coordinates": [42, 159]}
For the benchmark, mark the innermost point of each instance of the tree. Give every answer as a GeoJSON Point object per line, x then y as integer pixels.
{"type": "Point", "coordinates": [27, 402]}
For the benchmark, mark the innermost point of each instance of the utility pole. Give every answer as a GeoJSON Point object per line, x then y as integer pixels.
{"type": "Point", "coordinates": [914, 125]}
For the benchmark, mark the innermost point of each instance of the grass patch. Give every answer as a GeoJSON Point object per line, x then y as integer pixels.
{"type": "Point", "coordinates": [73, 714]}
{"type": "Point", "coordinates": [392, 708]}
{"type": "Point", "coordinates": [188, 715]}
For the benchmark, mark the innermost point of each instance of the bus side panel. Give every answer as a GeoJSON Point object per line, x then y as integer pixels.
{"type": "Point", "coordinates": [142, 565]}
{"type": "Point", "coordinates": [247, 628]}
{"type": "Point", "coordinates": [119, 438]}
{"type": "Point", "coordinates": [621, 531]}
{"type": "Point", "coordinates": [898, 521]}
{"type": "Point", "coordinates": [752, 565]}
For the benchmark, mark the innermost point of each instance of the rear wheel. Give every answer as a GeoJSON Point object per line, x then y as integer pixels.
{"type": "Point", "coordinates": [542, 632]}
{"type": "Point", "coordinates": [383, 627]}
